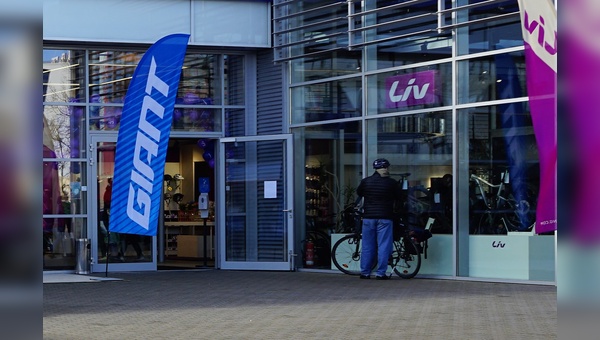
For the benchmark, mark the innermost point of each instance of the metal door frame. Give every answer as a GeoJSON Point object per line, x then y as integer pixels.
{"type": "Point", "coordinates": [93, 218]}
{"type": "Point", "coordinates": [288, 199]}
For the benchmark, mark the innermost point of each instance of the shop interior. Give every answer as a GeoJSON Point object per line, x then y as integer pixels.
{"type": "Point", "coordinates": [189, 237]}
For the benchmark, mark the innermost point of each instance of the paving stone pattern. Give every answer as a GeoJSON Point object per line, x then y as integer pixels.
{"type": "Point", "coordinates": [219, 304]}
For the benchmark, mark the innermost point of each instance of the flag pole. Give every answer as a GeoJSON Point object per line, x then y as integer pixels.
{"type": "Point", "coordinates": [107, 251]}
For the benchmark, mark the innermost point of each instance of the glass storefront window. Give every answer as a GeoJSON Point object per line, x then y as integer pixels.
{"type": "Point", "coordinates": [196, 119]}
{"type": "Point", "coordinates": [199, 86]}
{"type": "Point", "coordinates": [410, 89]}
{"type": "Point", "coordinates": [64, 132]}
{"type": "Point", "coordinates": [502, 151]}
{"type": "Point", "coordinates": [419, 149]}
{"type": "Point", "coordinates": [326, 101]}
{"type": "Point", "coordinates": [501, 184]}
{"type": "Point", "coordinates": [105, 118]}
{"type": "Point", "coordinates": [200, 81]}
{"type": "Point", "coordinates": [403, 35]}
{"type": "Point", "coordinates": [419, 144]}
{"type": "Point", "coordinates": [409, 51]}
{"type": "Point", "coordinates": [110, 73]}
{"type": "Point", "coordinates": [494, 34]}
{"type": "Point", "coordinates": [63, 189]}
{"type": "Point", "coordinates": [338, 63]}
{"type": "Point", "coordinates": [64, 76]}
{"type": "Point", "coordinates": [495, 77]}
{"type": "Point", "coordinates": [59, 241]}
{"type": "Point", "coordinates": [332, 168]}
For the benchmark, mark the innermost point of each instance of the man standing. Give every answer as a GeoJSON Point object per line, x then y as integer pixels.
{"type": "Point", "coordinates": [380, 192]}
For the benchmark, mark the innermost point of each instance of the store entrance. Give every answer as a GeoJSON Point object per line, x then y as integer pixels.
{"type": "Point", "coordinates": [187, 238]}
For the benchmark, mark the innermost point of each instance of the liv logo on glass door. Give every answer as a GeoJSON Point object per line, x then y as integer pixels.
{"type": "Point", "coordinates": [144, 136]}
{"type": "Point", "coordinates": [411, 89]}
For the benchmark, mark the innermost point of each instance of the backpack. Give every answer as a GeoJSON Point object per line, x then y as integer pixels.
{"type": "Point", "coordinates": [420, 236]}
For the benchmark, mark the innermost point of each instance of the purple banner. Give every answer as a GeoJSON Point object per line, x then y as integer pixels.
{"type": "Point", "coordinates": [411, 89]}
{"type": "Point", "coordinates": [580, 107]}
{"type": "Point", "coordinates": [539, 34]}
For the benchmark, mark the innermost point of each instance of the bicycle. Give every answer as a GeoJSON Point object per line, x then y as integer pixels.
{"type": "Point", "coordinates": [501, 211]}
{"type": "Point", "coordinates": [405, 260]}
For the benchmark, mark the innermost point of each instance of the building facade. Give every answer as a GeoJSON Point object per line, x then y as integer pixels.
{"type": "Point", "coordinates": [282, 108]}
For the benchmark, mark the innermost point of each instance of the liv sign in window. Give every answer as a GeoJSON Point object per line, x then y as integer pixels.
{"type": "Point", "coordinates": [412, 89]}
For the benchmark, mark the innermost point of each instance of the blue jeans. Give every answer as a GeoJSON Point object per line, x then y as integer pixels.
{"type": "Point", "coordinates": [377, 243]}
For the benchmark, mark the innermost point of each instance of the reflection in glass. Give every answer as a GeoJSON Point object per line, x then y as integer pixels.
{"type": "Point", "coordinates": [64, 131]}
{"type": "Point", "coordinates": [59, 242]}
{"type": "Point", "coordinates": [200, 81]}
{"type": "Point", "coordinates": [332, 169]}
{"type": "Point", "coordinates": [419, 148]}
{"type": "Point", "coordinates": [326, 101]}
{"type": "Point", "coordinates": [64, 79]}
{"type": "Point", "coordinates": [504, 169]}
{"type": "Point", "coordinates": [501, 76]}
{"type": "Point", "coordinates": [197, 119]}
{"type": "Point", "coordinates": [109, 75]}
{"type": "Point", "coordinates": [322, 66]}
{"type": "Point", "coordinates": [489, 35]}
{"type": "Point", "coordinates": [403, 35]}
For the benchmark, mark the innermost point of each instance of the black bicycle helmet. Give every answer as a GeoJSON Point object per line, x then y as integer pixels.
{"type": "Point", "coordinates": [381, 163]}
{"type": "Point", "coordinates": [177, 198]}
{"type": "Point", "coordinates": [168, 178]}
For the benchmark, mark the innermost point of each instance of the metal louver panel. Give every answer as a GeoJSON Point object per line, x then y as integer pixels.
{"type": "Point", "coordinates": [307, 28]}
{"type": "Point", "coordinates": [271, 226]}
{"type": "Point", "coordinates": [269, 95]}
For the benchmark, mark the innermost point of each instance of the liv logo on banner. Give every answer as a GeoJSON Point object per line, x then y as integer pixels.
{"type": "Point", "coordinates": [539, 34]}
{"type": "Point", "coordinates": [411, 89]}
{"type": "Point", "coordinates": [144, 136]}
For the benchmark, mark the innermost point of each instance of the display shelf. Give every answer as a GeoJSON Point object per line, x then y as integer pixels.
{"type": "Point", "coordinates": [192, 233]}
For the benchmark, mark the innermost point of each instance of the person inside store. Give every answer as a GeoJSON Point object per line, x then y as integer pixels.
{"type": "Point", "coordinates": [124, 239]}
{"type": "Point", "coordinates": [134, 241]}
{"type": "Point", "coordinates": [380, 193]}
{"type": "Point", "coordinates": [103, 227]}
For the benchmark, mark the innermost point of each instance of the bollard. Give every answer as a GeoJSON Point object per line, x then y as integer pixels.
{"type": "Point", "coordinates": [83, 256]}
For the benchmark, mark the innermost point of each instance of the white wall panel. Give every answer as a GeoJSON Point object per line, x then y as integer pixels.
{"type": "Point", "coordinates": [216, 23]}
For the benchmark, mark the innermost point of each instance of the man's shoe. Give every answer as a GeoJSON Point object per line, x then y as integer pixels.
{"type": "Point", "coordinates": [365, 277]}
{"type": "Point", "coordinates": [382, 277]}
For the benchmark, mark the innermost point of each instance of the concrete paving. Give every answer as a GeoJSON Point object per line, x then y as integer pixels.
{"type": "Point", "coordinates": [219, 304]}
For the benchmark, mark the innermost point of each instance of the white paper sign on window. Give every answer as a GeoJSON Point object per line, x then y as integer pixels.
{"type": "Point", "coordinates": [270, 189]}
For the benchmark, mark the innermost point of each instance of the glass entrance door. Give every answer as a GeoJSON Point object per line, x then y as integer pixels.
{"type": "Point", "coordinates": [123, 252]}
{"type": "Point", "coordinates": [255, 198]}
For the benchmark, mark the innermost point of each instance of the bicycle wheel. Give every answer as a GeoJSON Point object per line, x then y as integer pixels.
{"type": "Point", "coordinates": [345, 254]}
{"type": "Point", "coordinates": [406, 259]}
{"type": "Point", "coordinates": [491, 223]}
{"type": "Point", "coordinates": [519, 214]}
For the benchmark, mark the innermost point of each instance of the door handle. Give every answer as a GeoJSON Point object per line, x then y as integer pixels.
{"type": "Point", "coordinates": [287, 210]}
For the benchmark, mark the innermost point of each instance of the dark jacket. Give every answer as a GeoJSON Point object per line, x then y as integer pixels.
{"type": "Point", "coordinates": [380, 194]}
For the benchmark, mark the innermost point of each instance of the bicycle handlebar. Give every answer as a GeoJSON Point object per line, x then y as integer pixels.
{"type": "Point", "coordinates": [479, 179]}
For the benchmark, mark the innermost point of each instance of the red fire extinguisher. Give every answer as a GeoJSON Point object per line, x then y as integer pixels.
{"type": "Point", "coordinates": [310, 253]}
